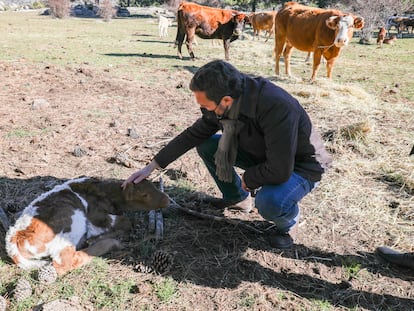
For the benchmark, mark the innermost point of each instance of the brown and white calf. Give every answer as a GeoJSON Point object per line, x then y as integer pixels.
{"type": "Point", "coordinates": [76, 221]}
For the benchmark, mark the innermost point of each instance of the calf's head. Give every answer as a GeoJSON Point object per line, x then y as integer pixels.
{"type": "Point", "coordinates": [344, 28]}
{"type": "Point", "coordinates": [239, 20]}
{"type": "Point", "coordinates": [144, 196]}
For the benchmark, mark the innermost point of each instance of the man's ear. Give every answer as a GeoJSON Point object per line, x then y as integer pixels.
{"type": "Point", "coordinates": [227, 100]}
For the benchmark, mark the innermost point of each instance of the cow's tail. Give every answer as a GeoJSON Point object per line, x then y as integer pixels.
{"type": "Point", "coordinates": [179, 39]}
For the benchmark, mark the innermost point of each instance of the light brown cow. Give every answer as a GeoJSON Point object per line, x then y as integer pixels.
{"type": "Point", "coordinates": [262, 21]}
{"type": "Point", "coordinates": [381, 36]}
{"type": "Point", "coordinates": [77, 220]}
{"type": "Point", "coordinates": [207, 23]}
{"type": "Point", "coordinates": [309, 29]}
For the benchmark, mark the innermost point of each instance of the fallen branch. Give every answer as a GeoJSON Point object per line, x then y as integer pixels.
{"type": "Point", "coordinates": [213, 217]}
{"type": "Point", "coordinates": [149, 146]}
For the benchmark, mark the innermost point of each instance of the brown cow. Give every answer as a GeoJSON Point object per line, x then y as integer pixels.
{"type": "Point", "coordinates": [381, 35]}
{"type": "Point", "coordinates": [207, 23]}
{"type": "Point", "coordinates": [77, 220]}
{"type": "Point", "coordinates": [262, 21]}
{"type": "Point", "coordinates": [309, 29]}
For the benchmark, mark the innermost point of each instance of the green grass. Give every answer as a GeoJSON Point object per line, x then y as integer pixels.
{"type": "Point", "coordinates": [166, 290]}
{"type": "Point", "coordinates": [131, 47]}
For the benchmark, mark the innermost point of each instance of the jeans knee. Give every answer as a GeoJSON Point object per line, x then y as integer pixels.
{"type": "Point", "coordinates": [268, 207]}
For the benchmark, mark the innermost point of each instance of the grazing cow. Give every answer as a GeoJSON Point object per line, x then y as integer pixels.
{"type": "Point", "coordinates": [207, 23]}
{"type": "Point", "coordinates": [77, 220]}
{"type": "Point", "coordinates": [163, 24]}
{"type": "Point", "coordinates": [381, 36]}
{"type": "Point", "coordinates": [408, 23]}
{"type": "Point", "coordinates": [262, 21]}
{"type": "Point", "coordinates": [309, 29]}
{"type": "Point", "coordinates": [390, 40]}
{"type": "Point", "coordinates": [395, 21]}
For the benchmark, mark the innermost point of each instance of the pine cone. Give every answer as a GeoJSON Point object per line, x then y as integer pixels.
{"type": "Point", "coordinates": [143, 268]}
{"type": "Point", "coordinates": [3, 303]}
{"type": "Point", "coordinates": [22, 290]}
{"type": "Point", "coordinates": [47, 274]}
{"type": "Point", "coordinates": [161, 261]}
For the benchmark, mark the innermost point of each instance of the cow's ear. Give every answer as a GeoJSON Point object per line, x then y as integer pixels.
{"type": "Point", "coordinates": [358, 22]}
{"type": "Point", "coordinates": [332, 22]}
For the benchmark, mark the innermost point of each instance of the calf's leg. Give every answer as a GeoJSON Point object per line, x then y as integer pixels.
{"type": "Point", "coordinates": [69, 258]}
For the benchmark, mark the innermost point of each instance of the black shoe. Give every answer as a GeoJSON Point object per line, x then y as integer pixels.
{"type": "Point", "coordinates": [281, 241]}
{"type": "Point", "coordinates": [401, 259]}
{"type": "Point", "coordinates": [245, 205]}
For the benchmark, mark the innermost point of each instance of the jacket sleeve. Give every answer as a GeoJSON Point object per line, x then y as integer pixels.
{"type": "Point", "coordinates": [279, 125]}
{"type": "Point", "coordinates": [194, 135]}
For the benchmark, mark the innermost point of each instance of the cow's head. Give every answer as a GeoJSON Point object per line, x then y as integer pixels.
{"type": "Point", "coordinates": [239, 20]}
{"type": "Point", "coordinates": [144, 196]}
{"type": "Point", "coordinates": [344, 27]}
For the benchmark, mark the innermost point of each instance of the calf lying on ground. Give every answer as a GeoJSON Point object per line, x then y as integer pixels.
{"type": "Point", "coordinates": [76, 221]}
{"type": "Point", "coordinates": [390, 40]}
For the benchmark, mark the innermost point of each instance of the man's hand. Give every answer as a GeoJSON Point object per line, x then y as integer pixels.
{"type": "Point", "coordinates": [245, 188]}
{"type": "Point", "coordinates": [141, 174]}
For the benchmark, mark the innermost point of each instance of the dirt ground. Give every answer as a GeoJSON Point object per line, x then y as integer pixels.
{"type": "Point", "coordinates": [59, 123]}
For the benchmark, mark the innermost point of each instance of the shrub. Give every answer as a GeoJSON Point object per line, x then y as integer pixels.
{"type": "Point", "coordinates": [59, 8]}
{"type": "Point", "coordinates": [106, 10]}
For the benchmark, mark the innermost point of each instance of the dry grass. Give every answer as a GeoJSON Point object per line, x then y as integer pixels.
{"type": "Point", "coordinates": [93, 74]}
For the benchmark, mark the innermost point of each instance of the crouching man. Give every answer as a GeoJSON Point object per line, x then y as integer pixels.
{"type": "Point", "coordinates": [265, 132]}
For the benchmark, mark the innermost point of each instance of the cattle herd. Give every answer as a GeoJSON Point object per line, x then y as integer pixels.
{"type": "Point", "coordinates": [322, 32]}
{"type": "Point", "coordinates": [319, 32]}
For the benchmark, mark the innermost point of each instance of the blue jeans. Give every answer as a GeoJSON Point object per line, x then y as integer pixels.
{"type": "Point", "coordinates": [276, 203]}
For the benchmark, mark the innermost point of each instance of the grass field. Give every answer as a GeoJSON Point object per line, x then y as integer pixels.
{"type": "Point", "coordinates": [93, 73]}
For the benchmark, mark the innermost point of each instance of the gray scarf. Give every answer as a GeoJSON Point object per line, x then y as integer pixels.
{"type": "Point", "coordinates": [225, 156]}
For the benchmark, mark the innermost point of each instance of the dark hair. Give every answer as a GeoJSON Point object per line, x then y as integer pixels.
{"type": "Point", "coordinates": [218, 79]}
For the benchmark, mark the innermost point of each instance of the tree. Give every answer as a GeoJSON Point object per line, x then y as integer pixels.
{"type": "Point", "coordinates": [376, 12]}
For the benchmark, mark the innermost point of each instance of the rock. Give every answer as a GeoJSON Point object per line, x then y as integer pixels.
{"type": "Point", "coordinates": [132, 132]}
{"type": "Point", "coordinates": [79, 152]}
{"type": "Point", "coordinates": [40, 103]}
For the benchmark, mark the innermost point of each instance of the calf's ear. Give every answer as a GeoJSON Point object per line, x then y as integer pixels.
{"type": "Point", "coordinates": [358, 22]}
{"type": "Point", "coordinates": [332, 22]}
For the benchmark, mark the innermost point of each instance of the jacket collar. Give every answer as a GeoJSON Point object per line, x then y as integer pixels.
{"type": "Point", "coordinates": [249, 97]}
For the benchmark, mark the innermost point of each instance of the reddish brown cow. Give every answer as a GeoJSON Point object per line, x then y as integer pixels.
{"type": "Point", "coordinates": [309, 29]}
{"type": "Point", "coordinates": [381, 35]}
{"type": "Point", "coordinates": [207, 23]}
{"type": "Point", "coordinates": [262, 21]}
{"type": "Point", "coordinates": [76, 221]}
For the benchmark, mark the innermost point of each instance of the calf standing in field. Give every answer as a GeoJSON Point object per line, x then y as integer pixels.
{"type": "Point", "coordinates": [163, 24]}
{"type": "Point", "coordinates": [76, 221]}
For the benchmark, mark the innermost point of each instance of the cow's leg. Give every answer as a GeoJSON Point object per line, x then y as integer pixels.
{"type": "Point", "coordinates": [269, 34]}
{"type": "Point", "coordinates": [329, 67]}
{"type": "Point", "coordinates": [69, 259]}
{"type": "Point", "coordinates": [189, 42]}
{"type": "Point", "coordinates": [316, 62]}
{"type": "Point", "coordinates": [226, 44]}
{"type": "Point", "coordinates": [179, 40]}
{"type": "Point", "coordinates": [279, 44]}
{"type": "Point", "coordinates": [286, 54]}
